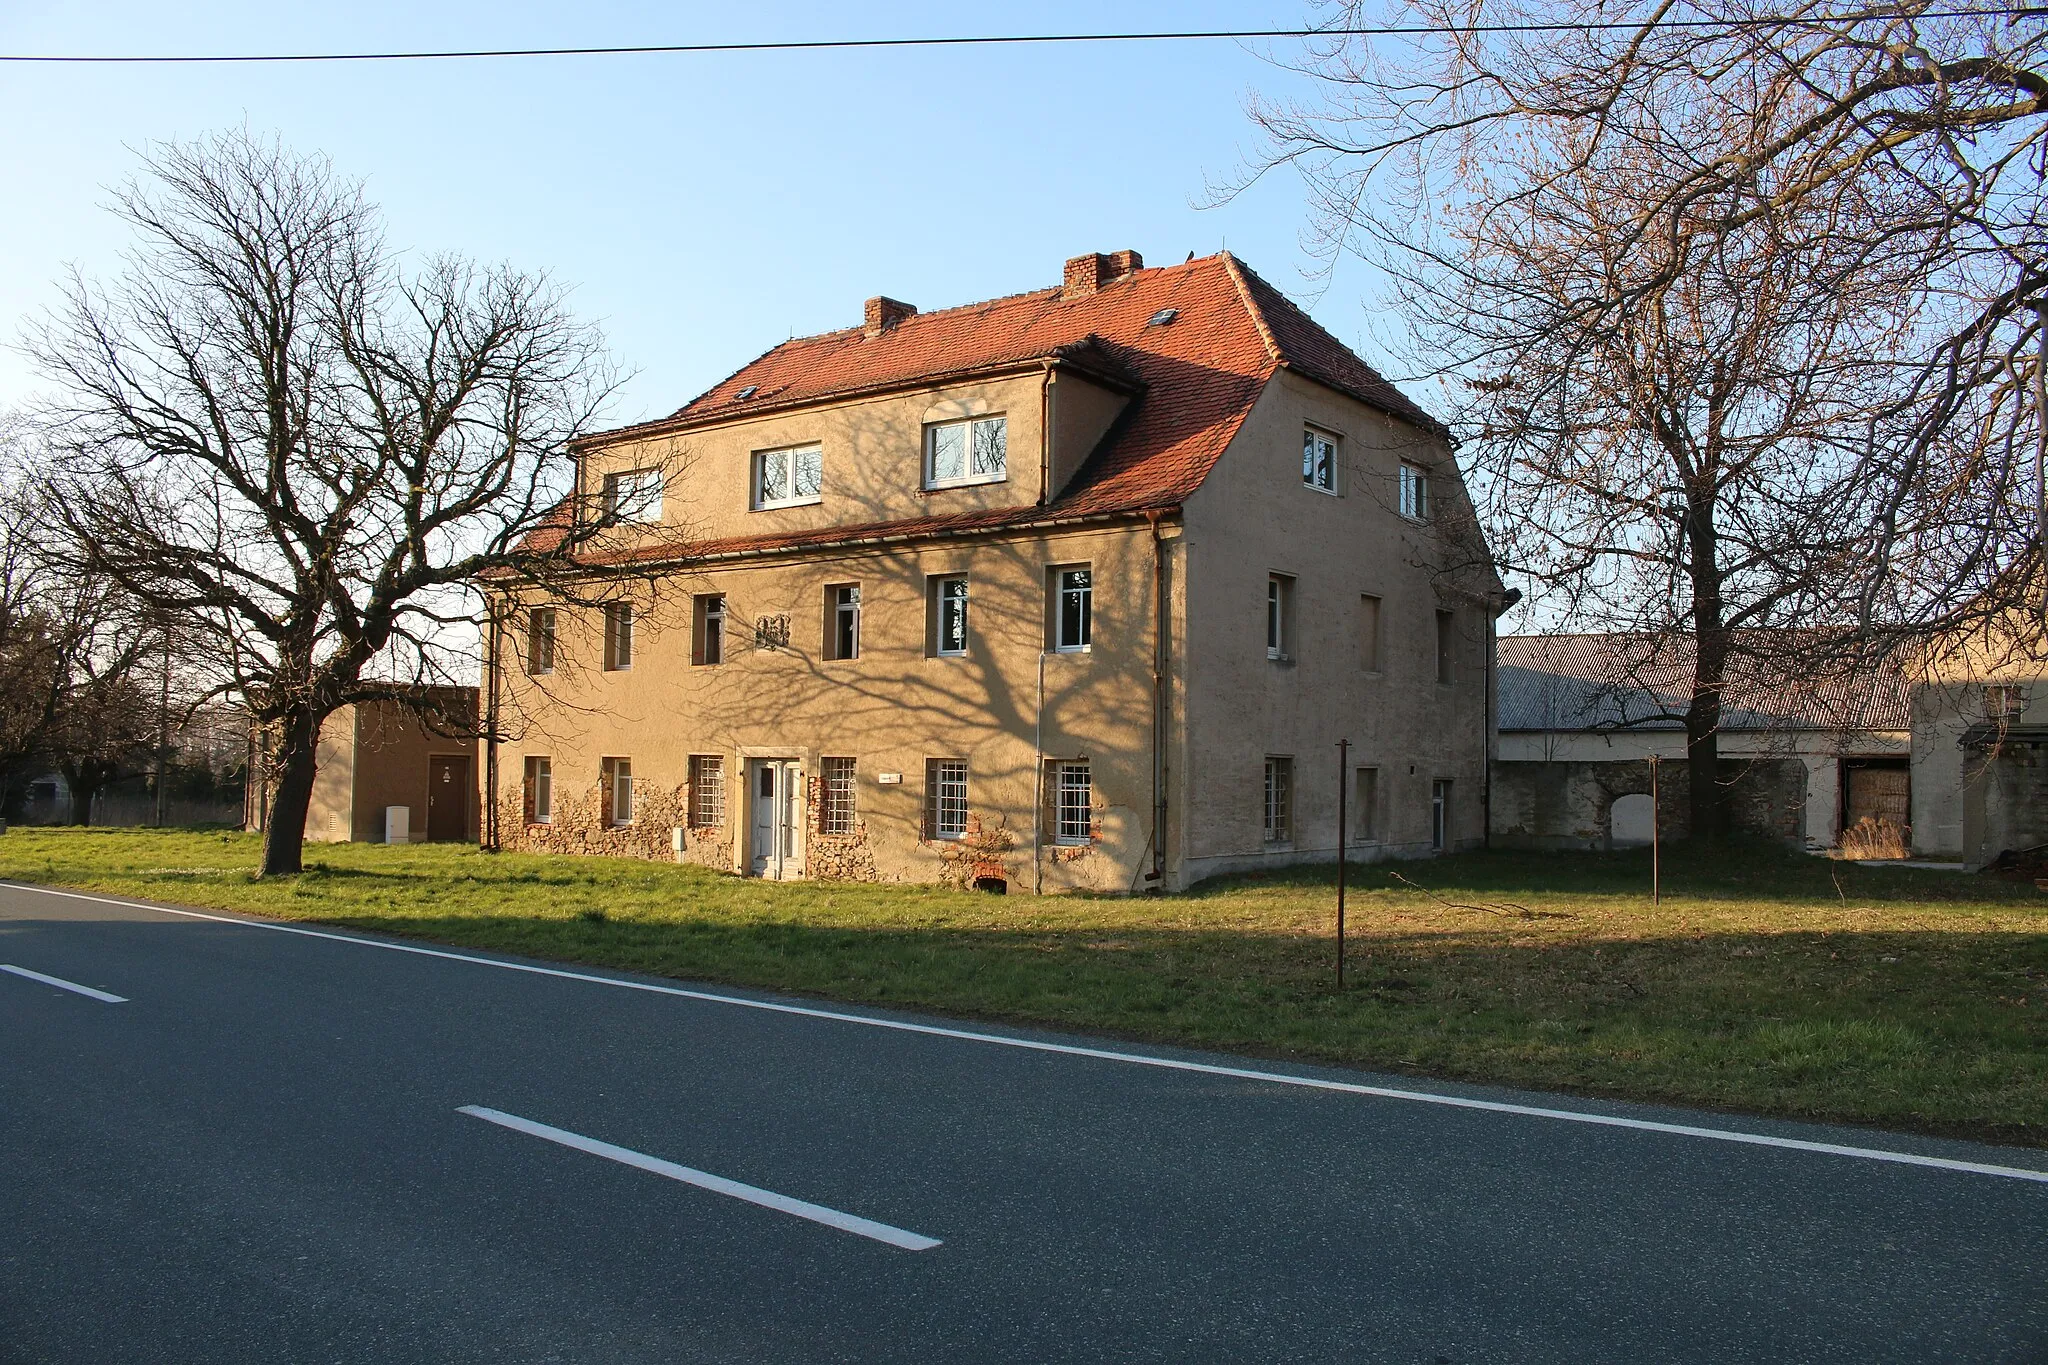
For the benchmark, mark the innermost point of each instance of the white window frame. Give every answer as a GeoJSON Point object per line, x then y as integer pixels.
{"type": "Point", "coordinates": [633, 495]}
{"type": "Point", "coordinates": [1278, 828]}
{"type": "Point", "coordinates": [836, 814]}
{"type": "Point", "coordinates": [1085, 593]}
{"type": "Point", "coordinates": [844, 621]}
{"type": "Point", "coordinates": [618, 637]}
{"type": "Point", "coordinates": [621, 776]}
{"type": "Point", "coordinates": [540, 642]}
{"type": "Point", "coordinates": [1414, 503]}
{"type": "Point", "coordinates": [968, 429]}
{"type": "Point", "coordinates": [1073, 806]}
{"type": "Point", "coordinates": [707, 791]}
{"type": "Point", "coordinates": [1279, 616]}
{"type": "Point", "coordinates": [540, 786]}
{"type": "Point", "coordinates": [943, 594]}
{"type": "Point", "coordinates": [2005, 701]}
{"type": "Point", "coordinates": [710, 626]}
{"type": "Point", "coordinates": [946, 798]}
{"type": "Point", "coordinates": [1319, 460]}
{"type": "Point", "coordinates": [789, 456]}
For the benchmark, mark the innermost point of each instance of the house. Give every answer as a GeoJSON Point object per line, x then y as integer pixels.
{"type": "Point", "coordinates": [1075, 589]}
{"type": "Point", "coordinates": [1581, 715]}
{"type": "Point", "coordinates": [1980, 749]}
{"type": "Point", "coordinates": [375, 757]}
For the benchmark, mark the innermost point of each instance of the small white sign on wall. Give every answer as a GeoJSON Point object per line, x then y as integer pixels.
{"type": "Point", "coordinates": [889, 779]}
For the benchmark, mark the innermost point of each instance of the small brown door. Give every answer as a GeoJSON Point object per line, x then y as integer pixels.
{"type": "Point", "coordinates": [448, 793]}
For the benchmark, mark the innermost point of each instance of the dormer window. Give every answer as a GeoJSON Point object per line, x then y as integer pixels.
{"type": "Point", "coordinates": [789, 478]}
{"type": "Point", "coordinates": [633, 495]}
{"type": "Point", "coordinates": [960, 453]}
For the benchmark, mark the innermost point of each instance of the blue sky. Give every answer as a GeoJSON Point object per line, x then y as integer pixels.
{"type": "Point", "coordinates": [703, 207]}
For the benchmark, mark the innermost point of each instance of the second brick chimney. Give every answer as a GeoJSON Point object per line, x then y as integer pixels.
{"type": "Point", "coordinates": [885, 312]}
{"type": "Point", "coordinates": [1086, 274]}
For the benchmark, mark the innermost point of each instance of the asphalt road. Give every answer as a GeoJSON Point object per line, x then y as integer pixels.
{"type": "Point", "coordinates": [261, 1154]}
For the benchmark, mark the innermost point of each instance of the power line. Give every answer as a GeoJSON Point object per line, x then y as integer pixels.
{"type": "Point", "coordinates": [991, 40]}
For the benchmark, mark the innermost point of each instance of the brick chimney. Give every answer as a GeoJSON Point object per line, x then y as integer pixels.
{"type": "Point", "coordinates": [885, 312]}
{"type": "Point", "coordinates": [1086, 274]}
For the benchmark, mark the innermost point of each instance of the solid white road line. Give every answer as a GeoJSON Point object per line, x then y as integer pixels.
{"type": "Point", "coordinates": [704, 1180]}
{"type": "Point", "coordinates": [1383, 1092]}
{"type": "Point", "coordinates": [62, 984]}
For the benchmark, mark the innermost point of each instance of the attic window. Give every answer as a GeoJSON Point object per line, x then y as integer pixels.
{"type": "Point", "coordinates": [748, 392]}
{"type": "Point", "coordinates": [1163, 316]}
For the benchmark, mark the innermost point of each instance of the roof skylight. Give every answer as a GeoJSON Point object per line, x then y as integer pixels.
{"type": "Point", "coordinates": [747, 392]}
{"type": "Point", "coordinates": [1163, 316]}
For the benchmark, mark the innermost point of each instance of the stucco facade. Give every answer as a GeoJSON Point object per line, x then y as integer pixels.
{"type": "Point", "coordinates": [1169, 464]}
{"type": "Point", "coordinates": [1980, 751]}
{"type": "Point", "coordinates": [376, 755]}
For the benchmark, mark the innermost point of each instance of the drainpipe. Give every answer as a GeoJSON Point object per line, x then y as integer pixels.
{"type": "Point", "coordinates": [1159, 623]}
{"type": "Point", "coordinates": [1489, 734]}
{"type": "Point", "coordinates": [490, 793]}
{"type": "Point", "coordinates": [1045, 437]}
{"type": "Point", "coordinates": [1038, 784]}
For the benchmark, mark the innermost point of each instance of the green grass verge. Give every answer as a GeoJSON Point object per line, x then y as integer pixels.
{"type": "Point", "coordinates": [1766, 982]}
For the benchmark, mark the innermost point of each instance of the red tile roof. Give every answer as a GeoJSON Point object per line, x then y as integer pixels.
{"type": "Point", "coordinates": [1197, 376]}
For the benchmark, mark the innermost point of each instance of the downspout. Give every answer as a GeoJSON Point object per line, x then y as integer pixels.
{"type": "Point", "coordinates": [1045, 437]}
{"type": "Point", "coordinates": [1489, 735]}
{"type": "Point", "coordinates": [490, 798]}
{"type": "Point", "coordinates": [1159, 622]}
{"type": "Point", "coordinates": [1038, 784]}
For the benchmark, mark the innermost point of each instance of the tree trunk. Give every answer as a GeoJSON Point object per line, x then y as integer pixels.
{"type": "Point", "coordinates": [81, 805]}
{"type": "Point", "coordinates": [1706, 798]}
{"type": "Point", "coordinates": [291, 795]}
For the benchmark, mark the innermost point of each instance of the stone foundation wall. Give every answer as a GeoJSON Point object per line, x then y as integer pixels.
{"type": "Point", "coordinates": [578, 828]}
{"type": "Point", "coordinates": [834, 857]}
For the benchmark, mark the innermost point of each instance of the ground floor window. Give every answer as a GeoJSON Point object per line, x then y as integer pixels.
{"type": "Point", "coordinates": [945, 798]}
{"type": "Point", "coordinates": [616, 779]}
{"type": "Point", "coordinates": [1279, 800]}
{"type": "Point", "coordinates": [540, 791]}
{"type": "Point", "coordinates": [707, 791]}
{"type": "Point", "coordinates": [835, 815]}
{"type": "Point", "coordinates": [1440, 814]}
{"type": "Point", "coordinates": [1073, 814]}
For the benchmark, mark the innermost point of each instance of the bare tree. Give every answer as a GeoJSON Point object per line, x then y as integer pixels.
{"type": "Point", "coordinates": [308, 450]}
{"type": "Point", "coordinates": [1936, 115]}
{"type": "Point", "coordinates": [72, 654]}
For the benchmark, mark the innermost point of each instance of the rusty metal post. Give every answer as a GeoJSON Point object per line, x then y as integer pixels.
{"type": "Point", "coordinates": [1343, 773]}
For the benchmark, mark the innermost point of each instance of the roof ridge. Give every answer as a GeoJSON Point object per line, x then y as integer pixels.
{"type": "Point", "coordinates": [1237, 271]}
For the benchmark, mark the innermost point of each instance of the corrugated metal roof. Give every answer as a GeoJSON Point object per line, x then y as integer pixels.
{"type": "Point", "coordinates": [1617, 681]}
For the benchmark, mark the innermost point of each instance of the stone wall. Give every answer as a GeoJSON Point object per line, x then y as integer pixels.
{"type": "Point", "coordinates": [578, 828]}
{"type": "Point", "coordinates": [1568, 804]}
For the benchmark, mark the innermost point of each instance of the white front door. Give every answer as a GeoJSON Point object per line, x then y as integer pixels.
{"type": "Point", "coordinates": [776, 789]}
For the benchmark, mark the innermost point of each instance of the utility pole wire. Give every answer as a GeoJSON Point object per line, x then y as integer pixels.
{"type": "Point", "coordinates": [989, 40]}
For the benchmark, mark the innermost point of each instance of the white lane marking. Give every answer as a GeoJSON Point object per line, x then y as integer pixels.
{"type": "Point", "coordinates": [1383, 1092]}
{"type": "Point", "coordinates": [704, 1180]}
{"type": "Point", "coordinates": [62, 984]}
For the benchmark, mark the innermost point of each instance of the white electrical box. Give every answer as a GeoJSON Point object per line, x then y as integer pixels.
{"type": "Point", "coordinates": [398, 824]}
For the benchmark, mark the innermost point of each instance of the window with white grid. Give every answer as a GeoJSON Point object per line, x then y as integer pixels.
{"type": "Point", "coordinates": [1073, 820]}
{"type": "Point", "coordinates": [836, 817]}
{"type": "Point", "coordinates": [707, 791]}
{"type": "Point", "coordinates": [945, 798]}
